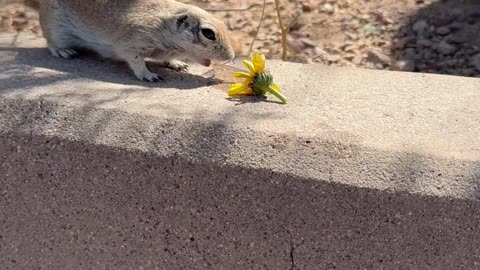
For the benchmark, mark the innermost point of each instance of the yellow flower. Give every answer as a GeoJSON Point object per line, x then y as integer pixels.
{"type": "Point", "coordinates": [258, 81]}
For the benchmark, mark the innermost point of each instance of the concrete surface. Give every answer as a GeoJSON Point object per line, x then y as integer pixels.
{"type": "Point", "coordinates": [362, 169]}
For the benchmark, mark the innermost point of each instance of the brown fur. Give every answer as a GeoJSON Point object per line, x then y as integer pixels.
{"type": "Point", "coordinates": [132, 30]}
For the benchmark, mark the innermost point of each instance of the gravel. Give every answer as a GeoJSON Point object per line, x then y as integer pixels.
{"type": "Point", "coordinates": [408, 35]}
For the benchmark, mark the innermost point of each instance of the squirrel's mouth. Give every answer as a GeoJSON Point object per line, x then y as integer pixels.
{"type": "Point", "coordinates": [205, 62]}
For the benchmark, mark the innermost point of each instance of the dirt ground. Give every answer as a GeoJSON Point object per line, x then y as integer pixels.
{"type": "Point", "coordinates": [408, 35]}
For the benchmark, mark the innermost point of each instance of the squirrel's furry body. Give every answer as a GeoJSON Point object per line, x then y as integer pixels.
{"type": "Point", "coordinates": [132, 30]}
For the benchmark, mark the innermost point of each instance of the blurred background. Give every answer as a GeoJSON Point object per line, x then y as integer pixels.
{"type": "Point", "coordinates": [441, 36]}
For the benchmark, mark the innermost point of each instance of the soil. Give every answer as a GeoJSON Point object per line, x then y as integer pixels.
{"type": "Point", "coordinates": [407, 35]}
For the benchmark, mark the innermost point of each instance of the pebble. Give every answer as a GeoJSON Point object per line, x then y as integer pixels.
{"type": "Point", "coordinates": [319, 53]}
{"type": "Point", "coordinates": [352, 36]}
{"type": "Point", "coordinates": [443, 30]}
{"type": "Point", "coordinates": [410, 52]}
{"type": "Point", "coordinates": [424, 43]}
{"type": "Point", "coordinates": [333, 58]}
{"type": "Point", "coordinates": [378, 58]}
{"type": "Point", "coordinates": [446, 48]}
{"type": "Point", "coordinates": [476, 61]}
{"type": "Point", "coordinates": [402, 43]}
{"type": "Point", "coordinates": [439, 38]}
{"type": "Point", "coordinates": [404, 65]}
{"type": "Point", "coordinates": [455, 26]}
{"type": "Point", "coordinates": [458, 38]}
{"type": "Point", "coordinates": [327, 8]}
{"type": "Point", "coordinates": [420, 26]}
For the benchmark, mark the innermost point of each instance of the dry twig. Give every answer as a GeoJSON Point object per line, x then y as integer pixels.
{"type": "Point", "coordinates": [258, 28]}
{"type": "Point", "coordinates": [232, 9]}
{"type": "Point", "coordinates": [284, 29]}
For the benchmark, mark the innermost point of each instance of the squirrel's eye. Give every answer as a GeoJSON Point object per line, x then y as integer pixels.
{"type": "Point", "coordinates": [208, 33]}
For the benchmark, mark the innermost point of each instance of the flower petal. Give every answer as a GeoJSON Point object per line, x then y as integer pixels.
{"type": "Point", "coordinates": [258, 62]}
{"type": "Point", "coordinates": [250, 67]}
{"type": "Point", "coordinates": [241, 74]}
{"type": "Point", "coordinates": [240, 89]}
{"type": "Point", "coordinates": [276, 88]}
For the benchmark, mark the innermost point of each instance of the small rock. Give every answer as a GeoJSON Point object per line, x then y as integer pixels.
{"type": "Point", "coordinates": [333, 58]}
{"type": "Point", "coordinates": [353, 24]}
{"type": "Point", "coordinates": [404, 65]}
{"type": "Point", "coordinates": [457, 12]}
{"type": "Point", "coordinates": [443, 30]}
{"type": "Point", "coordinates": [350, 48]}
{"type": "Point", "coordinates": [352, 36]}
{"type": "Point", "coordinates": [378, 58]}
{"type": "Point", "coordinates": [308, 43]}
{"type": "Point", "coordinates": [420, 26]}
{"type": "Point", "coordinates": [424, 43]}
{"type": "Point", "coordinates": [455, 26]}
{"type": "Point", "coordinates": [294, 43]}
{"type": "Point", "coordinates": [252, 33]}
{"type": "Point", "coordinates": [446, 48]}
{"type": "Point", "coordinates": [365, 17]}
{"type": "Point", "coordinates": [410, 52]}
{"type": "Point", "coordinates": [467, 72]}
{"type": "Point", "coordinates": [402, 43]}
{"type": "Point", "coordinates": [427, 55]}
{"type": "Point", "coordinates": [299, 22]}
{"type": "Point", "coordinates": [459, 38]}
{"type": "Point", "coordinates": [476, 61]}
{"type": "Point", "coordinates": [327, 8]}
{"type": "Point", "coordinates": [309, 5]}
{"type": "Point", "coordinates": [357, 60]}
{"type": "Point", "coordinates": [349, 56]}
{"type": "Point", "coordinates": [319, 53]}
{"type": "Point", "coordinates": [452, 62]}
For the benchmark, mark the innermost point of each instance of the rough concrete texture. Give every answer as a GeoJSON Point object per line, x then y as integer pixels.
{"type": "Point", "coordinates": [361, 170]}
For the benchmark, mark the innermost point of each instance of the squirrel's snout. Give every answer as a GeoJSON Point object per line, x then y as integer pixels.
{"type": "Point", "coordinates": [228, 55]}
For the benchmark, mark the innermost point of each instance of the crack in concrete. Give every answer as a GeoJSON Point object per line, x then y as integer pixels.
{"type": "Point", "coordinates": [292, 249]}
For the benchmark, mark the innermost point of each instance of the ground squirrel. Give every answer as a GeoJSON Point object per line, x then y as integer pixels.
{"type": "Point", "coordinates": [132, 30]}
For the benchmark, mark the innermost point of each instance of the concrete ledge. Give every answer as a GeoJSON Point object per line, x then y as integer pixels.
{"type": "Point", "coordinates": [363, 169]}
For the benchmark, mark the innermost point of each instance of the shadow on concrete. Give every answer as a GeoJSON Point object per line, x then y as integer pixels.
{"type": "Point", "coordinates": [240, 100]}
{"type": "Point", "coordinates": [77, 205]}
{"type": "Point", "coordinates": [89, 66]}
{"type": "Point", "coordinates": [442, 38]}
{"type": "Point", "coordinates": [73, 205]}
{"type": "Point", "coordinates": [67, 204]}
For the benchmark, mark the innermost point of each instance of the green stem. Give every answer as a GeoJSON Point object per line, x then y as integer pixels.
{"type": "Point", "coordinates": [278, 95]}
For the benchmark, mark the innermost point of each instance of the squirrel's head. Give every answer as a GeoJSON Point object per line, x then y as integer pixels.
{"type": "Point", "coordinates": [201, 36]}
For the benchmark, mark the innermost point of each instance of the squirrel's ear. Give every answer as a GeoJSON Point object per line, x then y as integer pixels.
{"type": "Point", "coordinates": [184, 20]}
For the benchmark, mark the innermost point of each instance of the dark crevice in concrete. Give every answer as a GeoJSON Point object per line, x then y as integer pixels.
{"type": "Point", "coordinates": [292, 251]}
{"type": "Point", "coordinates": [291, 248]}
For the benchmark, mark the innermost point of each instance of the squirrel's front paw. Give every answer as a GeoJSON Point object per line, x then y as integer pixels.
{"type": "Point", "coordinates": [177, 65]}
{"type": "Point", "coordinates": [149, 77]}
